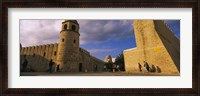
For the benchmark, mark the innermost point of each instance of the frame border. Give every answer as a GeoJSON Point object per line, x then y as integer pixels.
{"type": "Point", "coordinates": [194, 91]}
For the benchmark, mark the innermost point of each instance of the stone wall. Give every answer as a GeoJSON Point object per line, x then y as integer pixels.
{"type": "Point", "coordinates": [88, 62]}
{"type": "Point", "coordinates": [171, 43]}
{"type": "Point", "coordinates": [157, 45]}
{"type": "Point", "coordinates": [39, 56]}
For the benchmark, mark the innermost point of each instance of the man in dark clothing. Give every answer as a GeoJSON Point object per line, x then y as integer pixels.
{"type": "Point", "coordinates": [24, 65]}
{"type": "Point", "coordinates": [153, 68]}
{"type": "Point", "coordinates": [95, 68]}
{"type": "Point", "coordinates": [140, 67]}
{"type": "Point", "coordinates": [50, 65]}
{"type": "Point", "coordinates": [146, 65]}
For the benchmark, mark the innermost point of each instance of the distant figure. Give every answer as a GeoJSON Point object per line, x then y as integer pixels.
{"type": "Point", "coordinates": [104, 68]}
{"type": "Point", "coordinates": [24, 65]}
{"type": "Point", "coordinates": [158, 69]}
{"type": "Point", "coordinates": [146, 65]}
{"type": "Point", "coordinates": [50, 65]}
{"type": "Point", "coordinates": [117, 68]}
{"type": "Point", "coordinates": [153, 68]}
{"type": "Point", "coordinates": [113, 68]}
{"type": "Point", "coordinates": [95, 68]}
{"type": "Point", "coordinates": [140, 67]}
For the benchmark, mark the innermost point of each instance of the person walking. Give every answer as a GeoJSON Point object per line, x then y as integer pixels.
{"type": "Point", "coordinates": [140, 67]}
{"type": "Point", "coordinates": [146, 65]}
{"type": "Point", "coordinates": [95, 68]}
{"type": "Point", "coordinates": [50, 66]}
{"type": "Point", "coordinates": [153, 68]}
{"type": "Point", "coordinates": [24, 65]}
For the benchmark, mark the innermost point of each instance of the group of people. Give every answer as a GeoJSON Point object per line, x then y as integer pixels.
{"type": "Point", "coordinates": [113, 68]}
{"type": "Point", "coordinates": [148, 68]}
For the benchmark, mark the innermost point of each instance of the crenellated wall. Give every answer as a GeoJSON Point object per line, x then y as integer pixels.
{"type": "Point", "coordinates": [88, 62]}
{"type": "Point", "coordinates": [39, 57]}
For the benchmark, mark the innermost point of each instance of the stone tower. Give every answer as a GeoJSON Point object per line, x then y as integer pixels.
{"type": "Point", "coordinates": [157, 45]}
{"type": "Point", "coordinates": [68, 47]}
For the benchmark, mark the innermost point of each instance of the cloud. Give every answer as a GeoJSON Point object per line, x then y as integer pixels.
{"type": "Point", "coordinates": [103, 30]}
{"type": "Point", "coordinates": [101, 50]}
{"type": "Point", "coordinates": [36, 32]}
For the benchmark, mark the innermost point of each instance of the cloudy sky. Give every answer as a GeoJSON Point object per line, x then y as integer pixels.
{"type": "Point", "coordinates": [99, 37]}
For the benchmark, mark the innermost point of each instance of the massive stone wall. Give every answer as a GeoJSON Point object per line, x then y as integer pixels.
{"type": "Point", "coordinates": [39, 56]}
{"type": "Point", "coordinates": [99, 63]}
{"type": "Point", "coordinates": [89, 62]}
{"type": "Point", "coordinates": [157, 45]}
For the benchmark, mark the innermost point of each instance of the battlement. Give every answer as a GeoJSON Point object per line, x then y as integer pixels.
{"type": "Point", "coordinates": [97, 59]}
{"type": "Point", "coordinates": [84, 51]}
{"type": "Point", "coordinates": [31, 50]}
{"type": "Point", "coordinates": [88, 53]}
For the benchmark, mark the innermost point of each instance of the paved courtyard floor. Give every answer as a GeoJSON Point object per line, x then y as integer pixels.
{"type": "Point", "coordinates": [91, 74]}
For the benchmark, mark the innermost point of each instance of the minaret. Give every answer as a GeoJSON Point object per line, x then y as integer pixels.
{"type": "Point", "coordinates": [68, 47]}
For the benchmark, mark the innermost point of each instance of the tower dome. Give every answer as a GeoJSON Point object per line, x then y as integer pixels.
{"type": "Point", "coordinates": [70, 25]}
{"type": "Point", "coordinates": [75, 21]}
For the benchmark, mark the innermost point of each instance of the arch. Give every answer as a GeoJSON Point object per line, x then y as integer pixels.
{"type": "Point", "coordinates": [65, 27]}
{"type": "Point", "coordinates": [55, 53]}
{"type": "Point", "coordinates": [80, 67]}
{"type": "Point", "coordinates": [74, 41]}
{"type": "Point", "coordinates": [73, 27]}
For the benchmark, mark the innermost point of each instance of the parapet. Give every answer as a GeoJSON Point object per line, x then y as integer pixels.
{"type": "Point", "coordinates": [96, 59]}
{"type": "Point", "coordinates": [84, 51]}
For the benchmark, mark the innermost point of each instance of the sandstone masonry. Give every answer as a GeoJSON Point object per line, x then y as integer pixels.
{"type": "Point", "coordinates": [157, 45]}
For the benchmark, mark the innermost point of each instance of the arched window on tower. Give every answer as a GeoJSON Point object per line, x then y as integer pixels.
{"type": "Point", "coordinates": [65, 27]}
{"type": "Point", "coordinates": [73, 27]}
{"type": "Point", "coordinates": [74, 41]}
{"type": "Point", "coordinates": [55, 53]}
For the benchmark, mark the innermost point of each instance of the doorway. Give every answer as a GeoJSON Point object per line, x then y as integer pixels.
{"type": "Point", "coordinates": [80, 67]}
